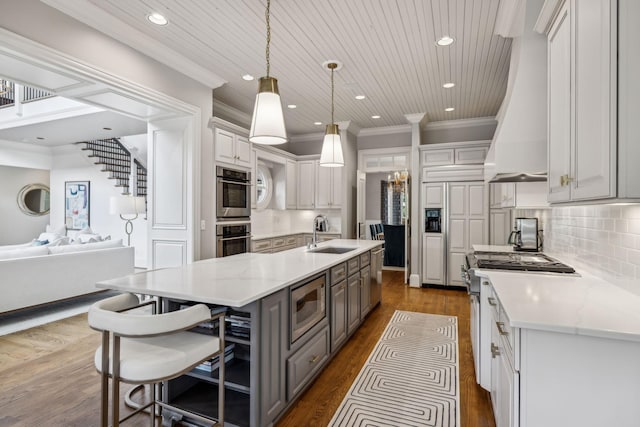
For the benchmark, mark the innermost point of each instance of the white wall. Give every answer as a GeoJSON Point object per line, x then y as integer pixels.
{"type": "Point", "coordinates": [24, 155]}
{"type": "Point", "coordinates": [15, 226]}
{"type": "Point", "coordinates": [71, 164]}
{"type": "Point", "coordinates": [401, 139]}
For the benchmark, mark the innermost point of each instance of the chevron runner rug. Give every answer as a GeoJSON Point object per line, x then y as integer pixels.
{"type": "Point", "coordinates": [410, 378]}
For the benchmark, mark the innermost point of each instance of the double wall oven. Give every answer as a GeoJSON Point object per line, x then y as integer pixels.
{"type": "Point", "coordinates": [233, 211]}
{"type": "Point", "coordinates": [233, 193]}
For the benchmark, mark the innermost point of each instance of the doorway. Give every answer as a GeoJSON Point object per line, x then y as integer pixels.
{"type": "Point", "coordinates": [173, 130]}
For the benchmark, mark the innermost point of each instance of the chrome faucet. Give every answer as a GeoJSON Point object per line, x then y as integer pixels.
{"type": "Point", "coordinates": [314, 242]}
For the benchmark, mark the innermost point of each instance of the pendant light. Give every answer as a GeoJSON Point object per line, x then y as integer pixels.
{"type": "Point", "coordinates": [267, 124]}
{"type": "Point", "coordinates": [331, 155]}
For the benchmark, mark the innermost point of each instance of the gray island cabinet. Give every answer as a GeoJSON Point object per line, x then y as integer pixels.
{"type": "Point", "coordinates": [271, 355]}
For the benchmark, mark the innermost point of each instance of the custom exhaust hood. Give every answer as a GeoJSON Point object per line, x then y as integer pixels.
{"type": "Point", "coordinates": [518, 152]}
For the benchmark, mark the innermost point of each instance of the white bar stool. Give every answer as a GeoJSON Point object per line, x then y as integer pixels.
{"type": "Point", "coordinates": [150, 348]}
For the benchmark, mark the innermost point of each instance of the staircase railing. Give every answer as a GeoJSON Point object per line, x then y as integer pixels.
{"type": "Point", "coordinates": [115, 159]}
{"type": "Point", "coordinates": [9, 90]}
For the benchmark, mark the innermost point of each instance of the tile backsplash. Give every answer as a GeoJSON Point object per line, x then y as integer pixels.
{"type": "Point", "coordinates": [606, 237]}
{"type": "Point", "coordinates": [269, 221]}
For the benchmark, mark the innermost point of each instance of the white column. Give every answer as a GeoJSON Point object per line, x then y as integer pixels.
{"type": "Point", "coordinates": [417, 121]}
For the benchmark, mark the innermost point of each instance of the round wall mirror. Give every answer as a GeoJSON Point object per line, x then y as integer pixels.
{"type": "Point", "coordinates": [33, 199]}
{"type": "Point", "coordinates": [264, 186]}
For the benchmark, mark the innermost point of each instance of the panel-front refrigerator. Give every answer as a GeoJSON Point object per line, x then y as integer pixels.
{"type": "Point", "coordinates": [463, 221]}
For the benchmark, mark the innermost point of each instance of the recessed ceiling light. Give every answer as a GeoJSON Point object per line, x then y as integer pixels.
{"type": "Point", "coordinates": [375, 117]}
{"type": "Point", "coordinates": [292, 106]}
{"type": "Point", "coordinates": [248, 77]}
{"type": "Point", "coordinates": [449, 109]}
{"type": "Point", "coordinates": [156, 18]}
{"type": "Point", "coordinates": [317, 123]}
{"type": "Point", "coordinates": [39, 137]}
{"type": "Point", "coordinates": [360, 97]}
{"type": "Point", "coordinates": [444, 41]}
{"type": "Point", "coordinates": [448, 85]}
{"type": "Point", "coordinates": [107, 129]}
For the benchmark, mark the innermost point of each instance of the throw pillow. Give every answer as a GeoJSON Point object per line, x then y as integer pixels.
{"type": "Point", "coordinates": [61, 229]}
{"type": "Point", "coordinates": [49, 236]}
{"type": "Point", "coordinates": [86, 230]}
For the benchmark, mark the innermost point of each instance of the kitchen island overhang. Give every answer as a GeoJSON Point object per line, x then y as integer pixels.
{"type": "Point", "coordinates": [237, 280]}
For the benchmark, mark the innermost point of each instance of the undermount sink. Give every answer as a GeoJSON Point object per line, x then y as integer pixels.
{"type": "Point", "coordinates": [332, 250]}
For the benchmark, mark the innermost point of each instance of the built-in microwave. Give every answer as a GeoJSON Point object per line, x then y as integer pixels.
{"type": "Point", "coordinates": [308, 306]}
{"type": "Point", "coordinates": [233, 193]}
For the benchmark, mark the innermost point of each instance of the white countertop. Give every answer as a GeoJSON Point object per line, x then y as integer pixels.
{"type": "Point", "coordinates": [240, 279]}
{"type": "Point", "coordinates": [289, 233]}
{"type": "Point", "coordinates": [582, 305]}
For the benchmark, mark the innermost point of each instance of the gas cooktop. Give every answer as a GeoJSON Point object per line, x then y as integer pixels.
{"type": "Point", "coordinates": [520, 262]}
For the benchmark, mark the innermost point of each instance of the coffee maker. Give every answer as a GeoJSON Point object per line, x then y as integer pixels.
{"type": "Point", "coordinates": [524, 236]}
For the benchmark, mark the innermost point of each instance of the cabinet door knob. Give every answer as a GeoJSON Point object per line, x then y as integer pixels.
{"type": "Point", "coordinates": [492, 301]}
{"type": "Point", "coordinates": [495, 351]}
{"type": "Point", "coordinates": [565, 180]}
{"type": "Point", "coordinates": [500, 326]}
{"type": "Point", "coordinates": [314, 359]}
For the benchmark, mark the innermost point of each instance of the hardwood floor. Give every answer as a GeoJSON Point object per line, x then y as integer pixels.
{"type": "Point", "coordinates": [317, 405]}
{"type": "Point", "coordinates": [47, 376]}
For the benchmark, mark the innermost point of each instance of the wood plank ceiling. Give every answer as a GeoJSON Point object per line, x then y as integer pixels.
{"type": "Point", "coordinates": [387, 47]}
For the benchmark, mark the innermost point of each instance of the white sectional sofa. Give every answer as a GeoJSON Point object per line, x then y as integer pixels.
{"type": "Point", "coordinates": [34, 275]}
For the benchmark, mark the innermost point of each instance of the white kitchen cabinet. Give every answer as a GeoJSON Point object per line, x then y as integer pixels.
{"type": "Point", "coordinates": [508, 195]}
{"type": "Point", "coordinates": [306, 184]}
{"type": "Point", "coordinates": [291, 170]}
{"type": "Point", "coordinates": [328, 187]}
{"type": "Point", "coordinates": [467, 225]}
{"type": "Point", "coordinates": [433, 195]}
{"type": "Point", "coordinates": [589, 64]}
{"type": "Point", "coordinates": [455, 153]}
{"type": "Point", "coordinates": [505, 393]}
{"type": "Point", "coordinates": [433, 259]}
{"type": "Point", "coordinates": [232, 148]}
{"type": "Point", "coordinates": [500, 226]}
{"type": "Point", "coordinates": [559, 104]}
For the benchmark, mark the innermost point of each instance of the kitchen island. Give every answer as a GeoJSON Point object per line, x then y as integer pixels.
{"type": "Point", "coordinates": [273, 352]}
{"type": "Point", "coordinates": [563, 350]}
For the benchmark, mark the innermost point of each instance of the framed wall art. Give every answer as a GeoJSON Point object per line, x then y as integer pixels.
{"type": "Point", "coordinates": [76, 204]}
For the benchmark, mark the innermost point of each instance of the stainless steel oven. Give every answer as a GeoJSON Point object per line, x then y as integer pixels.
{"type": "Point", "coordinates": [308, 306]}
{"type": "Point", "coordinates": [233, 193]}
{"type": "Point", "coordinates": [233, 238]}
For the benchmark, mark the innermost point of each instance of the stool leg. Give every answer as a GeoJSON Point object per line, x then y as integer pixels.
{"type": "Point", "coordinates": [152, 408]}
{"type": "Point", "coordinates": [104, 381]}
{"type": "Point", "coordinates": [115, 384]}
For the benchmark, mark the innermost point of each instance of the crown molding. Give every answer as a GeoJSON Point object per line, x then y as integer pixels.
{"type": "Point", "coordinates": [95, 17]}
{"type": "Point", "coordinates": [231, 113]}
{"type": "Point", "coordinates": [462, 123]}
{"type": "Point", "coordinates": [386, 130]}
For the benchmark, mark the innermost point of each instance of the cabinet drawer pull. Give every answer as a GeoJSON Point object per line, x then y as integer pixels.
{"type": "Point", "coordinates": [492, 301]}
{"type": "Point", "coordinates": [495, 351]}
{"type": "Point", "coordinates": [314, 359]}
{"type": "Point", "coordinates": [500, 326]}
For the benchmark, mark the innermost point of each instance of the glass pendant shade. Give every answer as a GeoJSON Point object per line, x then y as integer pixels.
{"type": "Point", "coordinates": [267, 125]}
{"type": "Point", "coordinates": [331, 155]}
